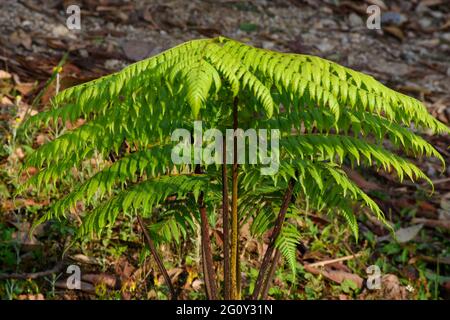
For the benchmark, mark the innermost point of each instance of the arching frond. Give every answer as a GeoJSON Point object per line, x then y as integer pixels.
{"type": "Point", "coordinates": [143, 197]}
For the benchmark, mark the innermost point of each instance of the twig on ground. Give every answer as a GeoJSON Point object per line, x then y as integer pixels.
{"type": "Point", "coordinates": [324, 263]}
{"type": "Point", "coordinates": [33, 275]}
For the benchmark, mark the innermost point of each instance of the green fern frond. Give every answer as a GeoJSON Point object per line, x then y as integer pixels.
{"type": "Point", "coordinates": [310, 79]}
{"type": "Point", "coordinates": [287, 243]}
{"type": "Point", "coordinates": [327, 114]}
{"type": "Point", "coordinates": [173, 225]}
{"type": "Point", "coordinates": [336, 148]}
{"type": "Point", "coordinates": [152, 162]}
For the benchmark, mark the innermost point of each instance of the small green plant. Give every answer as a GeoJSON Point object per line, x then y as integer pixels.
{"type": "Point", "coordinates": [52, 282]}
{"type": "Point", "coordinates": [11, 289]}
{"type": "Point", "coordinates": [326, 114]}
{"type": "Point", "coordinates": [8, 248]}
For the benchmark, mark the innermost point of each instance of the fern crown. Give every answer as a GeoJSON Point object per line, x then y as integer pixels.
{"type": "Point", "coordinates": [327, 114]}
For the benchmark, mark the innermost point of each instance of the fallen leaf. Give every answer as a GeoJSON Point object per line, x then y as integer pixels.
{"type": "Point", "coordinates": [443, 260]}
{"type": "Point", "coordinates": [427, 206]}
{"type": "Point", "coordinates": [173, 273]}
{"type": "Point", "coordinates": [124, 269]}
{"type": "Point", "coordinates": [431, 3]}
{"type": "Point", "coordinates": [197, 284]}
{"type": "Point", "coordinates": [359, 8]}
{"type": "Point", "coordinates": [218, 236]}
{"type": "Point", "coordinates": [110, 281]}
{"type": "Point", "coordinates": [5, 101]}
{"type": "Point", "coordinates": [25, 88]}
{"type": "Point", "coordinates": [19, 153]}
{"type": "Point", "coordinates": [337, 276]}
{"type": "Point", "coordinates": [445, 224]}
{"type": "Point", "coordinates": [81, 258]}
{"type": "Point", "coordinates": [355, 20]}
{"type": "Point", "coordinates": [395, 31]}
{"type": "Point", "coordinates": [38, 296]}
{"type": "Point", "coordinates": [151, 295]}
{"type": "Point", "coordinates": [136, 50]}
{"type": "Point", "coordinates": [4, 75]}
{"type": "Point", "coordinates": [391, 288]}
{"type": "Point", "coordinates": [379, 3]}
{"type": "Point", "coordinates": [41, 139]}
{"type": "Point", "coordinates": [60, 31]}
{"type": "Point", "coordinates": [20, 37]}
{"type": "Point", "coordinates": [84, 286]}
{"type": "Point", "coordinates": [21, 203]}
{"type": "Point", "coordinates": [407, 234]}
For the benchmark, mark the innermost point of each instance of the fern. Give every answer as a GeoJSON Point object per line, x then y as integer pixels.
{"type": "Point", "coordinates": [287, 243]}
{"type": "Point", "coordinates": [174, 225]}
{"type": "Point", "coordinates": [327, 114]}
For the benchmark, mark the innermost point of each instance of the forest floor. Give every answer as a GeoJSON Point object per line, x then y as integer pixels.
{"type": "Point", "coordinates": [409, 54]}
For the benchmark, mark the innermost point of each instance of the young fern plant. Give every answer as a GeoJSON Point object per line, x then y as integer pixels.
{"type": "Point", "coordinates": [327, 115]}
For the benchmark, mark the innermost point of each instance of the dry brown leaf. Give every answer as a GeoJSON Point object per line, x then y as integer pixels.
{"type": "Point", "coordinates": [359, 8]}
{"type": "Point", "coordinates": [173, 273]}
{"type": "Point", "coordinates": [20, 37]}
{"type": "Point", "coordinates": [431, 3]}
{"type": "Point", "coordinates": [337, 276]}
{"type": "Point", "coordinates": [6, 102]}
{"type": "Point", "coordinates": [197, 284]}
{"type": "Point", "coordinates": [391, 288]}
{"type": "Point", "coordinates": [440, 260]}
{"type": "Point", "coordinates": [19, 153]}
{"type": "Point", "coordinates": [41, 139]}
{"type": "Point", "coordinates": [428, 207]}
{"type": "Point", "coordinates": [108, 280]}
{"type": "Point", "coordinates": [218, 236]}
{"type": "Point", "coordinates": [445, 26]}
{"type": "Point", "coordinates": [407, 234]}
{"type": "Point", "coordinates": [379, 3]}
{"type": "Point", "coordinates": [433, 223]}
{"type": "Point", "coordinates": [395, 31]}
{"type": "Point", "coordinates": [136, 50]}
{"type": "Point", "coordinates": [25, 88]}
{"type": "Point", "coordinates": [4, 75]}
{"type": "Point", "coordinates": [84, 286]}
{"type": "Point", "coordinates": [124, 269]}
{"type": "Point", "coordinates": [38, 296]}
{"type": "Point", "coordinates": [81, 258]}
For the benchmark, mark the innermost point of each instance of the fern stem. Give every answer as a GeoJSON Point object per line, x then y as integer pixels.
{"type": "Point", "coordinates": [207, 257]}
{"type": "Point", "coordinates": [210, 279]}
{"type": "Point", "coordinates": [234, 212]}
{"type": "Point", "coordinates": [276, 231]}
{"type": "Point", "coordinates": [270, 275]}
{"type": "Point", "coordinates": [158, 260]}
{"type": "Point", "coordinates": [226, 224]}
